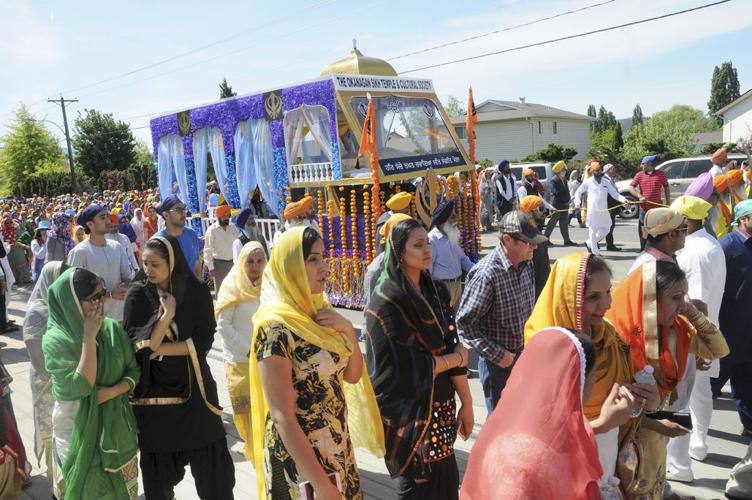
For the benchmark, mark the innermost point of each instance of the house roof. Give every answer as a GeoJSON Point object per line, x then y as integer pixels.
{"type": "Point", "coordinates": [497, 110]}
{"type": "Point", "coordinates": [708, 137]}
{"type": "Point", "coordinates": [733, 103]}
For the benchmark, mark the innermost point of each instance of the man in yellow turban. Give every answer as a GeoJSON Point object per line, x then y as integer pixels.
{"type": "Point", "coordinates": [664, 229]}
{"type": "Point", "coordinates": [219, 239]}
{"type": "Point", "coordinates": [398, 203]}
{"type": "Point", "coordinates": [560, 197]}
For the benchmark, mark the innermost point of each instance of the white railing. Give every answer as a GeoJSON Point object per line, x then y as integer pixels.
{"type": "Point", "coordinates": [310, 172]}
{"type": "Point", "coordinates": [268, 227]}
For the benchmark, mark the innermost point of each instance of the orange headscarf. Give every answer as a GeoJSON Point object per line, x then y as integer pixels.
{"type": "Point", "coordinates": [560, 304]}
{"type": "Point", "coordinates": [634, 313]}
{"type": "Point", "coordinates": [721, 183]}
{"type": "Point", "coordinates": [530, 203]}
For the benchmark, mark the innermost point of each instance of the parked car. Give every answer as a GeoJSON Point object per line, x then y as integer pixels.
{"type": "Point", "coordinates": [680, 172]}
{"type": "Point", "coordinates": [542, 169]}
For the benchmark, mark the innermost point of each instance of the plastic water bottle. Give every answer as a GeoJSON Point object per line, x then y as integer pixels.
{"type": "Point", "coordinates": [644, 376]}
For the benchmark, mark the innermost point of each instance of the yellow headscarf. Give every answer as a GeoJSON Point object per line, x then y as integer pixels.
{"type": "Point", "coordinates": [286, 298]}
{"type": "Point", "coordinates": [237, 287]}
{"type": "Point", "coordinates": [559, 304]}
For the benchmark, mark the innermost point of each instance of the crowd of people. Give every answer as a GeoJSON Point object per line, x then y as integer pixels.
{"type": "Point", "coordinates": [120, 322]}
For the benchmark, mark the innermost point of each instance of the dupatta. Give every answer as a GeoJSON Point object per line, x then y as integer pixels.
{"type": "Point", "coordinates": [560, 304]}
{"type": "Point", "coordinates": [634, 313]}
{"type": "Point", "coordinates": [286, 298]}
{"type": "Point", "coordinates": [236, 287]}
{"type": "Point", "coordinates": [537, 443]}
{"type": "Point", "coordinates": [404, 334]}
{"type": "Point", "coordinates": [107, 431]}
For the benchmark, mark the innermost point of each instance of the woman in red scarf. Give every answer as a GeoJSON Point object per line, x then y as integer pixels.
{"type": "Point", "coordinates": [538, 443]}
{"type": "Point", "coordinates": [150, 221]}
{"type": "Point", "coordinates": [652, 313]}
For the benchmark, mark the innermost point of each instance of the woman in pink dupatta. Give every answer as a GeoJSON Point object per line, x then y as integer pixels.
{"type": "Point", "coordinates": [538, 443]}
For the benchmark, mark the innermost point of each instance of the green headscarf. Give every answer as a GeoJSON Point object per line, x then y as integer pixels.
{"type": "Point", "coordinates": [28, 233]}
{"type": "Point", "coordinates": [104, 438]}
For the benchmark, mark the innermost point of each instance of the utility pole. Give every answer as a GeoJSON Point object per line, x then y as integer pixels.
{"type": "Point", "coordinates": [61, 102]}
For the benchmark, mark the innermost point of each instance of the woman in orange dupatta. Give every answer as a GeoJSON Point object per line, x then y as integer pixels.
{"type": "Point", "coordinates": [576, 297]}
{"type": "Point", "coordinates": [654, 316]}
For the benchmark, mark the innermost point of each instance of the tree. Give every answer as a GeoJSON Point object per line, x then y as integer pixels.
{"type": "Point", "coordinates": [225, 90]}
{"type": "Point", "coordinates": [552, 153]}
{"type": "Point", "coordinates": [592, 114]}
{"type": "Point", "coordinates": [102, 143]}
{"type": "Point", "coordinates": [724, 88]}
{"type": "Point", "coordinates": [668, 134]}
{"type": "Point", "coordinates": [637, 115]}
{"type": "Point", "coordinates": [454, 107]}
{"type": "Point", "coordinates": [28, 146]}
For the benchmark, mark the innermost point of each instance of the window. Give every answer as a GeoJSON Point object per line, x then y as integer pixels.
{"type": "Point", "coordinates": [556, 130]}
{"type": "Point", "coordinates": [461, 132]}
{"type": "Point", "coordinates": [674, 170]}
{"type": "Point", "coordinates": [540, 129]}
{"type": "Point", "coordinates": [697, 167]}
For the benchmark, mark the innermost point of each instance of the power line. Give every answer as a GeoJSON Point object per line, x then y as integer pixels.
{"type": "Point", "coordinates": [568, 37]}
{"type": "Point", "coordinates": [203, 47]}
{"type": "Point", "coordinates": [496, 32]}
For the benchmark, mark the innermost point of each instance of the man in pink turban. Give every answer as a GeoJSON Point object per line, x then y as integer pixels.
{"type": "Point", "coordinates": [703, 187]}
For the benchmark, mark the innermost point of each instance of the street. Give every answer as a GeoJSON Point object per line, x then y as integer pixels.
{"type": "Point", "coordinates": [727, 446]}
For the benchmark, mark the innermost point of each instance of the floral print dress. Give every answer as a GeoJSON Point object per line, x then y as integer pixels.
{"type": "Point", "coordinates": [320, 409]}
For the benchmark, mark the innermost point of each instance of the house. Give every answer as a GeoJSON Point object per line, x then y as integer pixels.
{"type": "Point", "coordinates": [705, 139]}
{"type": "Point", "coordinates": [737, 118]}
{"type": "Point", "coordinates": [509, 130]}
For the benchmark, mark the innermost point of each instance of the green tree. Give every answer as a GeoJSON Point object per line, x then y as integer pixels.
{"type": "Point", "coordinates": [637, 118]}
{"type": "Point", "coordinates": [552, 153]}
{"type": "Point", "coordinates": [28, 146]}
{"type": "Point", "coordinates": [724, 88]}
{"type": "Point", "coordinates": [102, 143]}
{"type": "Point", "coordinates": [454, 107]}
{"type": "Point", "coordinates": [592, 113]}
{"type": "Point", "coordinates": [225, 90]}
{"type": "Point", "coordinates": [667, 133]}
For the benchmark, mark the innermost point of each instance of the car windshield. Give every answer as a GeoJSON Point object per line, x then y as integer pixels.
{"type": "Point", "coordinates": [540, 170]}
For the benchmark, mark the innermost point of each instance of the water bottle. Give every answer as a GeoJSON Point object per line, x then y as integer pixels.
{"type": "Point", "coordinates": [644, 376]}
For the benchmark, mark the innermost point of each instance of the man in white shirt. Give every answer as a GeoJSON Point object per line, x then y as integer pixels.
{"type": "Point", "coordinates": [704, 263]}
{"type": "Point", "coordinates": [665, 230]}
{"type": "Point", "coordinates": [598, 218]}
{"type": "Point", "coordinates": [103, 257]}
{"type": "Point", "coordinates": [114, 235]}
{"type": "Point", "coordinates": [719, 161]}
{"type": "Point", "coordinates": [218, 246]}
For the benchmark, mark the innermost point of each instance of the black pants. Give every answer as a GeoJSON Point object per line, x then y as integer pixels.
{"type": "Point", "coordinates": [740, 375]}
{"type": "Point", "coordinates": [610, 235]}
{"type": "Point", "coordinates": [639, 229]}
{"type": "Point", "coordinates": [443, 483]}
{"type": "Point", "coordinates": [3, 311]}
{"type": "Point", "coordinates": [563, 219]}
{"type": "Point", "coordinates": [211, 467]}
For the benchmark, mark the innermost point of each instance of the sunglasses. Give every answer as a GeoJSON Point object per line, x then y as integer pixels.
{"type": "Point", "coordinates": [96, 298]}
{"type": "Point", "coordinates": [178, 210]}
{"type": "Point", "coordinates": [517, 238]}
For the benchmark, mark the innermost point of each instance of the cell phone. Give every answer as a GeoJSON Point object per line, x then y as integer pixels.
{"type": "Point", "coordinates": [306, 488]}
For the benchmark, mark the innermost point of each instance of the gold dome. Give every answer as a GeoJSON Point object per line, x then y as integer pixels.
{"type": "Point", "coordinates": [357, 64]}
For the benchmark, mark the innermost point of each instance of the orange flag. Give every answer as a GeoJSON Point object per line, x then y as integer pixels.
{"type": "Point", "coordinates": [470, 121]}
{"type": "Point", "coordinates": [368, 145]}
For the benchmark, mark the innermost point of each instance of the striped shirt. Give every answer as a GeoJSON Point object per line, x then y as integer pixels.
{"type": "Point", "coordinates": [650, 186]}
{"type": "Point", "coordinates": [497, 301]}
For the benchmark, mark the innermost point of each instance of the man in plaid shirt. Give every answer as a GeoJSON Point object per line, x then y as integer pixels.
{"type": "Point", "coordinates": [498, 299]}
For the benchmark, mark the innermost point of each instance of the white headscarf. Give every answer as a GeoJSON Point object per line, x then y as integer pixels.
{"type": "Point", "coordinates": [35, 321]}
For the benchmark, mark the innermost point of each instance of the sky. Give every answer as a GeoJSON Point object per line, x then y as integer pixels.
{"type": "Point", "coordinates": [139, 59]}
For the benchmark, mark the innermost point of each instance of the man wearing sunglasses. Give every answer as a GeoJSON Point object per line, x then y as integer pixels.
{"type": "Point", "coordinates": [665, 230]}
{"type": "Point", "coordinates": [498, 299]}
{"type": "Point", "coordinates": [173, 211]}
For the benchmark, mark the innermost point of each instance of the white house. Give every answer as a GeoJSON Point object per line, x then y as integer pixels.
{"type": "Point", "coordinates": [737, 118]}
{"type": "Point", "coordinates": [508, 130]}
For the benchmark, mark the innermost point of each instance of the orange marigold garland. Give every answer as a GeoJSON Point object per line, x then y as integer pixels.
{"type": "Point", "coordinates": [354, 234]}
{"type": "Point", "coordinates": [367, 224]}
{"type": "Point", "coordinates": [343, 242]}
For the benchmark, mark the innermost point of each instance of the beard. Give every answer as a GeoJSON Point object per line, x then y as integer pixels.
{"type": "Point", "coordinates": [224, 222]}
{"type": "Point", "coordinates": [452, 233]}
{"type": "Point", "coordinates": [253, 232]}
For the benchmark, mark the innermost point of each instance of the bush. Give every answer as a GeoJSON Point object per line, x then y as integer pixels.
{"type": "Point", "coordinates": [50, 178]}
{"type": "Point", "coordinates": [552, 153]}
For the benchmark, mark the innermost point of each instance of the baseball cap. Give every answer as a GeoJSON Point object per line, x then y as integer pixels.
{"type": "Point", "coordinates": [522, 226]}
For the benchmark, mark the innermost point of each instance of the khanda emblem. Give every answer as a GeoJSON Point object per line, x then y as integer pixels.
{"type": "Point", "coordinates": [184, 122]}
{"type": "Point", "coordinates": [426, 200]}
{"type": "Point", "coordinates": [273, 105]}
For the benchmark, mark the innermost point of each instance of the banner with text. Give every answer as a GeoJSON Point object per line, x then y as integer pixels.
{"type": "Point", "coordinates": [405, 164]}
{"type": "Point", "coordinates": [368, 83]}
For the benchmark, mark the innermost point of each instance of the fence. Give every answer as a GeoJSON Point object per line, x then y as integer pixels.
{"type": "Point", "coordinates": [268, 227]}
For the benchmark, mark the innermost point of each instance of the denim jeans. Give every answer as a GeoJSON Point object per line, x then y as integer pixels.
{"type": "Point", "coordinates": [493, 378]}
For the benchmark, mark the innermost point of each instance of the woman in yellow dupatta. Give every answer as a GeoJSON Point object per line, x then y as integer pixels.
{"type": "Point", "coordinates": [654, 316]}
{"type": "Point", "coordinates": [576, 297]}
{"type": "Point", "coordinates": [237, 301]}
{"type": "Point", "coordinates": [306, 365]}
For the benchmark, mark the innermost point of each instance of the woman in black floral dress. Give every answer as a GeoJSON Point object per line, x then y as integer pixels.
{"type": "Point", "coordinates": [417, 365]}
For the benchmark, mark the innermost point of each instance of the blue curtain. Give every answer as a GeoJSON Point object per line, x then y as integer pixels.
{"type": "Point", "coordinates": [177, 154]}
{"type": "Point", "coordinates": [200, 147]}
{"type": "Point", "coordinates": [217, 152]}
{"type": "Point", "coordinates": [165, 172]}
{"type": "Point", "coordinates": [263, 162]}
{"type": "Point", "coordinates": [244, 165]}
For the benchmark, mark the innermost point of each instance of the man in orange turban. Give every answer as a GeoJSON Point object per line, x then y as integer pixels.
{"type": "Point", "coordinates": [219, 239]}
{"type": "Point", "coordinates": [719, 161]}
{"type": "Point", "coordinates": [297, 213]}
{"type": "Point", "coordinates": [721, 183]}
{"type": "Point", "coordinates": [532, 204]}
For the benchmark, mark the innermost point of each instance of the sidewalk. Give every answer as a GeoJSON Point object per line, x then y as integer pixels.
{"type": "Point", "coordinates": [726, 445]}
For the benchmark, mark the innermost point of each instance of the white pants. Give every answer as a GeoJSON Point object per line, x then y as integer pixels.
{"type": "Point", "coordinates": [596, 234]}
{"type": "Point", "coordinates": [677, 457]}
{"type": "Point", "coordinates": [701, 407]}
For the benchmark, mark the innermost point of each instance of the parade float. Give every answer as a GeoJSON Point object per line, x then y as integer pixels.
{"type": "Point", "coordinates": [305, 139]}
